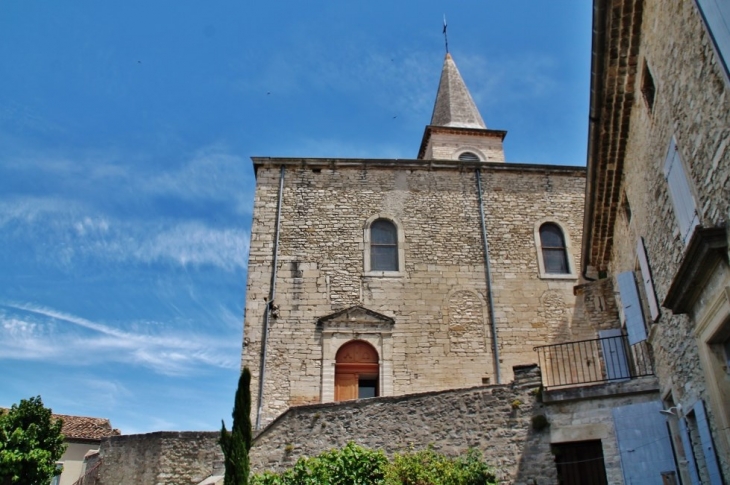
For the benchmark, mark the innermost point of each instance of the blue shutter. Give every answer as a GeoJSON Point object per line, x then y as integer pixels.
{"type": "Point", "coordinates": [631, 304]}
{"type": "Point", "coordinates": [717, 17]}
{"type": "Point", "coordinates": [708, 449]}
{"type": "Point", "coordinates": [680, 192]}
{"type": "Point", "coordinates": [614, 354]}
{"type": "Point", "coordinates": [644, 443]}
{"type": "Point", "coordinates": [688, 454]}
{"type": "Point", "coordinates": [646, 276]}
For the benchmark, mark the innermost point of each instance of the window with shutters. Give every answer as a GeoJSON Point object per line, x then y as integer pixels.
{"type": "Point", "coordinates": [383, 242]}
{"type": "Point", "coordinates": [716, 14]}
{"type": "Point", "coordinates": [680, 191]}
{"type": "Point", "coordinates": [554, 257]}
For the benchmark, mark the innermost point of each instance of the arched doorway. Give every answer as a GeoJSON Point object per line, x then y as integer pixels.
{"type": "Point", "coordinates": [356, 371]}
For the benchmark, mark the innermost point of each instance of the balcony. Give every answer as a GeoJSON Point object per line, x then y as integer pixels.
{"type": "Point", "coordinates": [596, 361]}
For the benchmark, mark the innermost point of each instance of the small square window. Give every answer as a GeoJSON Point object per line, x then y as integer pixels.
{"type": "Point", "coordinates": [647, 86]}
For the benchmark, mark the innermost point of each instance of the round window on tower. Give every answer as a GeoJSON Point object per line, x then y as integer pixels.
{"type": "Point", "coordinates": [469, 156]}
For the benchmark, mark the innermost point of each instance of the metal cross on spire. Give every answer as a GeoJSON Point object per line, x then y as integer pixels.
{"type": "Point", "coordinates": [446, 38]}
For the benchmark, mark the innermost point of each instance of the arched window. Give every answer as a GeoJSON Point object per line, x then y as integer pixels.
{"type": "Point", "coordinates": [468, 156]}
{"type": "Point", "coordinates": [554, 253]}
{"type": "Point", "coordinates": [383, 246]}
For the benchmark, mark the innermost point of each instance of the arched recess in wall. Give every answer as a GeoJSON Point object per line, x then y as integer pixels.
{"type": "Point", "coordinates": [384, 233]}
{"type": "Point", "coordinates": [467, 322]}
{"type": "Point", "coordinates": [546, 231]}
{"type": "Point", "coordinates": [357, 371]}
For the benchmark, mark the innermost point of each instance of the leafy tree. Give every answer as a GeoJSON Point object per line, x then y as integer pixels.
{"type": "Point", "coordinates": [237, 443]}
{"type": "Point", "coordinates": [30, 444]}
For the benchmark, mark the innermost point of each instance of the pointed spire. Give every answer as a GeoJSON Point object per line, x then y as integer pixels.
{"type": "Point", "coordinates": [454, 106]}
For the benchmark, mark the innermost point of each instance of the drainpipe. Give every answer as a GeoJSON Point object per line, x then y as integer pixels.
{"type": "Point", "coordinates": [270, 302]}
{"type": "Point", "coordinates": [488, 274]}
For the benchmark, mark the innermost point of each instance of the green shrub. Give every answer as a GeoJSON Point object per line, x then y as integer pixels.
{"type": "Point", "coordinates": [355, 465]}
{"type": "Point", "coordinates": [430, 468]}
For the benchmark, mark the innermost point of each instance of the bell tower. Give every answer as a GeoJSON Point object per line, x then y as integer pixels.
{"type": "Point", "coordinates": [457, 130]}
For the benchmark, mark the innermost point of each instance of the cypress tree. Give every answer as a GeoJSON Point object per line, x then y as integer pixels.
{"type": "Point", "coordinates": [237, 443]}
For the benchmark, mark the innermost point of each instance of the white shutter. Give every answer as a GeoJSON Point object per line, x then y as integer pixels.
{"type": "Point", "coordinates": [685, 208]}
{"type": "Point", "coordinates": [646, 277]}
{"type": "Point", "coordinates": [631, 305]}
{"type": "Point", "coordinates": [708, 449]}
{"type": "Point", "coordinates": [717, 17]}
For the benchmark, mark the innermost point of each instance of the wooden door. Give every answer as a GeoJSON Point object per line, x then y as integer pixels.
{"type": "Point", "coordinates": [345, 387]}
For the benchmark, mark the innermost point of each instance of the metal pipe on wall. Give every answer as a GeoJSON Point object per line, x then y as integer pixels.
{"type": "Point", "coordinates": [270, 302]}
{"type": "Point", "coordinates": [488, 274]}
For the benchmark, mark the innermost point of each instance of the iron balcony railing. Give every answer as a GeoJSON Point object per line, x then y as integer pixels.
{"type": "Point", "coordinates": [593, 361]}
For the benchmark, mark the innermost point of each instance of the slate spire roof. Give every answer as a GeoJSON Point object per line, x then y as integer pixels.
{"type": "Point", "coordinates": [454, 106]}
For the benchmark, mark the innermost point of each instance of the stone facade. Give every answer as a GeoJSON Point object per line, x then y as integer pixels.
{"type": "Point", "coordinates": [438, 299]}
{"type": "Point", "coordinates": [161, 458]}
{"type": "Point", "coordinates": [675, 87]}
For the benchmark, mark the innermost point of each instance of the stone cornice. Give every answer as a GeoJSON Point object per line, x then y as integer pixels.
{"type": "Point", "coordinates": [399, 164]}
{"type": "Point", "coordinates": [616, 36]}
{"type": "Point", "coordinates": [706, 249]}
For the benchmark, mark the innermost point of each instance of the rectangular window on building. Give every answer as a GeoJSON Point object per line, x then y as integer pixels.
{"type": "Point", "coordinates": [716, 14]}
{"type": "Point", "coordinates": [685, 208]}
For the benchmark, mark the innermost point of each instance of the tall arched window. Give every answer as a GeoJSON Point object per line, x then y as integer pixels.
{"type": "Point", "coordinates": [554, 253]}
{"type": "Point", "coordinates": [383, 246]}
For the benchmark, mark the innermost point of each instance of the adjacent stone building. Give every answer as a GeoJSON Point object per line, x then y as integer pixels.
{"type": "Point", "coordinates": [657, 206]}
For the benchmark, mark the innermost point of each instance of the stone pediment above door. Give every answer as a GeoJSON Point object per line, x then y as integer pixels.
{"type": "Point", "coordinates": [358, 319]}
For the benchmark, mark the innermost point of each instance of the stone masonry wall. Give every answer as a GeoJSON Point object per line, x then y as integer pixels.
{"type": "Point", "coordinates": [692, 103]}
{"type": "Point", "coordinates": [161, 458]}
{"type": "Point", "coordinates": [439, 300]}
{"type": "Point", "coordinates": [494, 419]}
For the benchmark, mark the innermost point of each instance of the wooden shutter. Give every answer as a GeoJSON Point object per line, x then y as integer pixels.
{"type": "Point", "coordinates": [680, 192]}
{"type": "Point", "coordinates": [646, 277]}
{"type": "Point", "coordinates": [708, 449]}
{"type": "Point", "coordinates": [688, 453]}
{"type": "Point", "coordinates": [631, 304]}
{"type": "Point", "coordinates": [717, 18]}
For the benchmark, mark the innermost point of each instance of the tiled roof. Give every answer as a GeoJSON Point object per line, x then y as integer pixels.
{"type": "Point", "coordinates": [82, 427]}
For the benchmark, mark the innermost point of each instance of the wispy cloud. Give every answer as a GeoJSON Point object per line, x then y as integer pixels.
{"type": "Point", "coordinates": [34, 332]}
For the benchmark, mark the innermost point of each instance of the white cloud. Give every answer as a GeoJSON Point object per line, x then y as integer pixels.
{"type": "Point", "coordinates": [33, 332]}
{"type": "Point", "coordinates": [67, 232]}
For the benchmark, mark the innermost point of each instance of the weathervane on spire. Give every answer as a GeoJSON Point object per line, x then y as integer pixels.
{"type": "Point", "coordinates": [446, 38]}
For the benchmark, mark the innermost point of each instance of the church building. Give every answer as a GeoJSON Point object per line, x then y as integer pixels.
{"type": "Point", "coordinates": [385, 277]}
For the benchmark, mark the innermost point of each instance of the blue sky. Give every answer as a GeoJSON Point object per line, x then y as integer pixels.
{"type": "Point", "coordinates": [126, 188]}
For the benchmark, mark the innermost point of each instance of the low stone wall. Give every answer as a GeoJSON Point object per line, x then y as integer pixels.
{"type": "Point", "coordinates": [161, 458]}
{"type": "Point", "coordinates": [494, 419]}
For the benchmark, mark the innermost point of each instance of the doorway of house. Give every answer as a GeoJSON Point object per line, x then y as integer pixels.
{"type": "Point", "coordinates": [356, 371]}
{"type": "Point", "coordinates": [580, 463]}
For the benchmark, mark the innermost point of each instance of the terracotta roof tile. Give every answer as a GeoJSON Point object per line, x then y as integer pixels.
{"type": "Point", "coordinates": [82, 427]}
